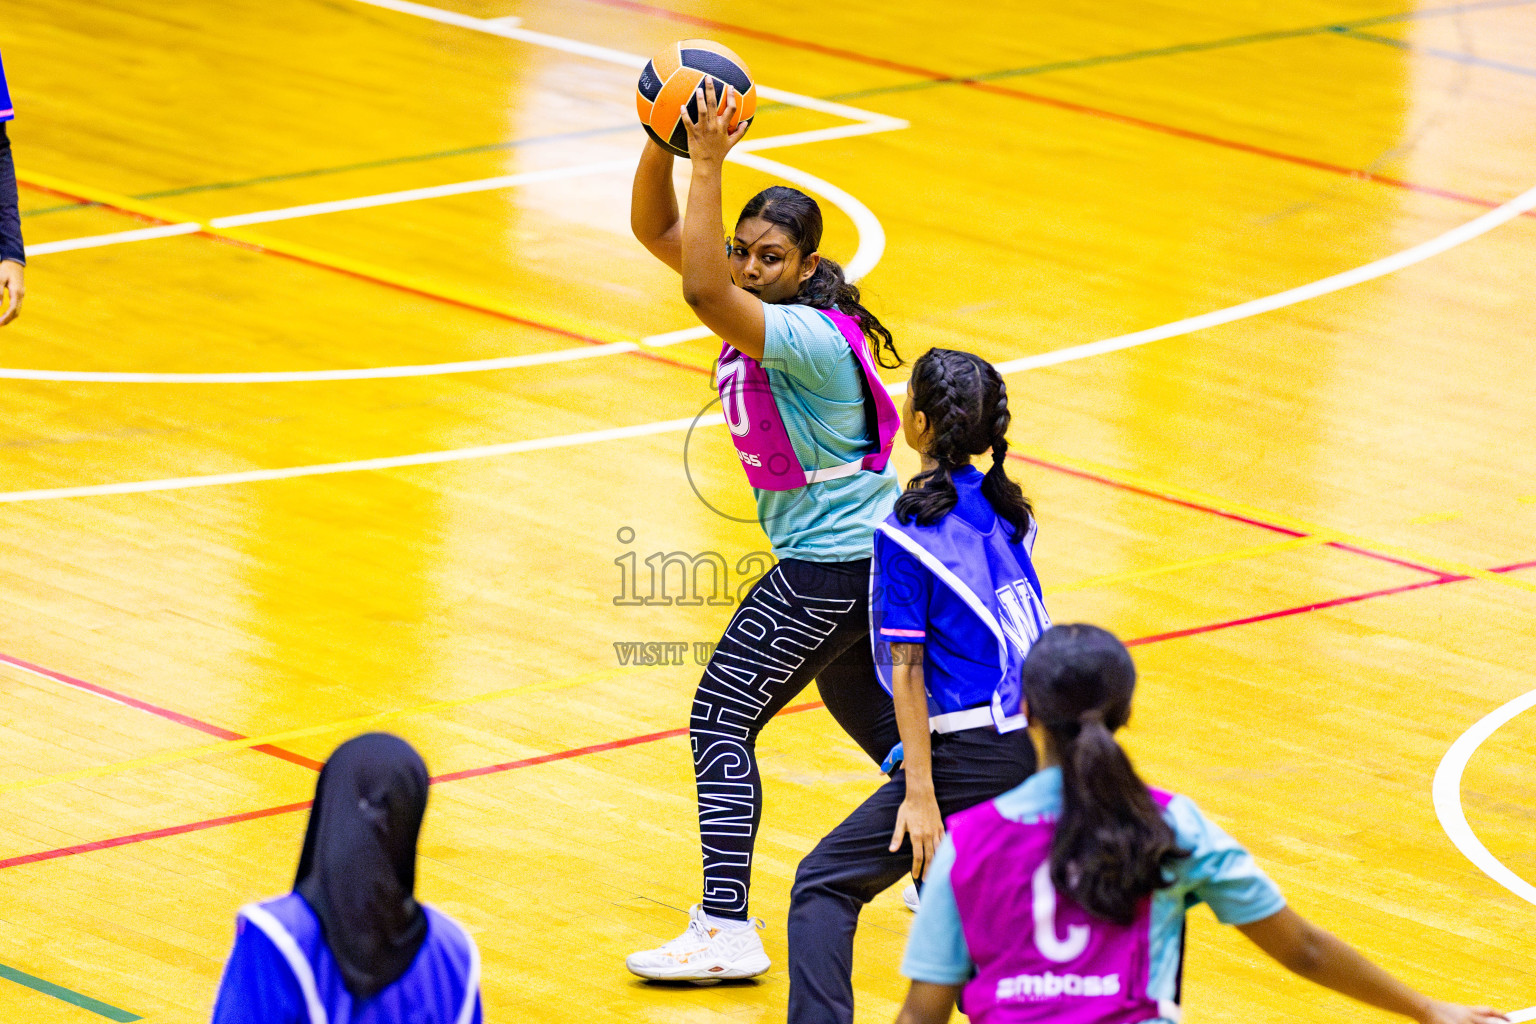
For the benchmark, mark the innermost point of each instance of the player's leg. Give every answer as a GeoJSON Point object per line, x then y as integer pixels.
{"type": "Point", "coordinates": [855, 698]}
{"type": "Point", "coordinates": [847, 869]}
{"type": "Point", "coordinates": [797, 619]}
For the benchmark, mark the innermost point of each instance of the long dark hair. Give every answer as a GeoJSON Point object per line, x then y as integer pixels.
{"type": "Point", "coordinates": [1111, 841]}
{"type": "Point", "coordinates": [966, 403]}
{"type": "Point", "coordinates": [800, 218]}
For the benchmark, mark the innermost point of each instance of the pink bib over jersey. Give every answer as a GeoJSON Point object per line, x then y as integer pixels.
{"type": "Point", "coordinates": [1038, 955]}
{"type": "Point", "coordinates": [758, 431]}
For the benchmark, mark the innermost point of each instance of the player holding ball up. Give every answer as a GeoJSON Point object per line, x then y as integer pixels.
{"type": "Point", "coordinates": [796, 375]}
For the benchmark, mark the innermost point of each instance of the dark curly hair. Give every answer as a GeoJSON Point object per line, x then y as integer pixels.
{"type": "Point", "coordinates": [800, 217]}
{"type": "Point", "coordinates": [966, 403]}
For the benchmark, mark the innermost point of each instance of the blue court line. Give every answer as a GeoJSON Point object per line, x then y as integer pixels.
{"type": "Point", "coordinates": [1346, 28]}
{"type": "Point", "coordinates": [1434, 51]}
{"type": "Point", "coordinates": [48, 988]}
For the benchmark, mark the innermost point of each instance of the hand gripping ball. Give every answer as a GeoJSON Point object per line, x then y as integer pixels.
{"type": "Point", "coordinates": [670, 83]}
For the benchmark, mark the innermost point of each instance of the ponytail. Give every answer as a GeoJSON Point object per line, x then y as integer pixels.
{"type": "Point", "coordinates": [826, 288]}
{"type": "Point", "coordinates": [966, 403]}
{"type": "Point", "coordinates": [1111, 843]}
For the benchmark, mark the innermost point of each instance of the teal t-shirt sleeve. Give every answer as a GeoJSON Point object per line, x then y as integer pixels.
{"type": "Point", "coordinates": [800, 342]}
{"type": "Point", "coordinates": [1218, 870]}
{"type": "Point", "coordinates": [936, 949]}
{"type": "Point", "coordinates": [258, 986]}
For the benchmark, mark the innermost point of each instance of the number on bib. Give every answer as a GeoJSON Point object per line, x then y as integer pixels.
{"type": "Point", "coordinates": [1060, 951]}
{"type": "Point", "coordinates": [729, 378]}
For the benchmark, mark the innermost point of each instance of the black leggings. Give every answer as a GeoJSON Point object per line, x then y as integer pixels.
{"type": "Point", "coordinates": [801, 621]}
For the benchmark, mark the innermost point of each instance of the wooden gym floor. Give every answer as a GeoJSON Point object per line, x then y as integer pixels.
{"type": "Point", "coordinates": [1315, 520]}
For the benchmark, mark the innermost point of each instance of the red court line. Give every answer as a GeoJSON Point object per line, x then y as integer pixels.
{"type": "Point", "coordinates": [361, 276]}
{"type": "Point", "coordinates": [155, 709]}
{"type": "Point", "coordinates": [1317, 606]}
{"type": "Point", "coordinates": [1170, 499]}
{"type": "Point", "coordinates": [68, 851]}
{"type": "Point", "coordinates": [139, 837]}
{"type": "Point", "coordinates": [1048, 101]}
{"type": "Point", "coordinates": [468, 773]}
{"type": "Point", "coordinates": [1261, 524]}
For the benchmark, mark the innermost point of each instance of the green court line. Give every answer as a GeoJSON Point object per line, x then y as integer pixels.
{"type": "Point", "coordinates": [1434, 51]}
{"type": "Point", "coordinates": [1342, 28]}
{"type": "Point", "coordinates": [367, 165]}
{"type": "Point", "coordinates": [1345, 28]}
{"type": "Point", "coordinates": [48, 988]}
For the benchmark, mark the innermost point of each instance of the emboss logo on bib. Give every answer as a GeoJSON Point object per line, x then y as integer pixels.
{"type": "Point", "coordinates": [1050, 986]}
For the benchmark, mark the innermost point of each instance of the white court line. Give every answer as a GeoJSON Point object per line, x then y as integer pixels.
{"type": "Point", "coordinates": [412, 195]}
{"type": "Point", "coordinates": [1370, 271]}
{"type": "Point", "coordinates": [1446, 792]}
{"type": "Point", "coordinates": [1337, 282]}
{"type": "Point", "coordinates": [871, 236]}
{"type": "Point", "coordinates": [360, 465]}
{"type": "Point", "coordinates": [565, 355]}
{"type": "Point", "coordinates": [629, 60]}
{"type": "Point", "coordinates": [115, 238]}
{"type": "Point", "coordinates": [871, 232]}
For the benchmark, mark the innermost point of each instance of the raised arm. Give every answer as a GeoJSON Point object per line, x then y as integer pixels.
{"type": "Point", "coordinates": [732, 313]}
{"type": "Point", "coordinates": [1307, 950]}
{"type": "Point", "coordinates": [653, 215]}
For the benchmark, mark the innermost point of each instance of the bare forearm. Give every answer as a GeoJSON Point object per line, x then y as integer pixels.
{"type": "Point", "coordinates": [706, 269]}
{"type": "Point", "coordinates": [911, 699]}
{"type": "Point", "coordinates": [653, 214]}
{"type": "Point", "coordinates": [1333, 963]}
{"type": "Point", "coordinates": [928, 1004]}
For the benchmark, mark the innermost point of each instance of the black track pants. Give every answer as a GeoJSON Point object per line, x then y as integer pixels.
{"type": "Point", "coordinates": [854, 864]}
{"type": "Point", "coordinates": [801, 621]}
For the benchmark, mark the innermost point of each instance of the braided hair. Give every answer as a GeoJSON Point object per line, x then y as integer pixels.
{"type": "Point", "coordinates": [1110, 844]}
{"type": "Point", "coordinates": [966, 403]}
{"type": "Point", "coordinates": [800, 217]}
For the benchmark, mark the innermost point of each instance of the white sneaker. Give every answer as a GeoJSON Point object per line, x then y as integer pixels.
{"type": "Point", "coordinates": [909, 897]}
{"type": "Point", "coordinates": [705, 953]}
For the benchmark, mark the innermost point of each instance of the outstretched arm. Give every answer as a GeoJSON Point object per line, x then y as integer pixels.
{"type": "Point", "coordinates": [653, 215]}
{"type": "Point", "coordinates": [732, 313]}
{"type": "Point", "coordinates": [1316, 955]}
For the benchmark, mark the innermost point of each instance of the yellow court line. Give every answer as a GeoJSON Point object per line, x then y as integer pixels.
{"type": "Point", "coordinates": [1194, 563]}
{"type": "Point", "coordinates": [1324, 534]}
{"type": "Point", "coordinates": [364, 721]}
{"type": "Point", "coordinates": [346, 264]}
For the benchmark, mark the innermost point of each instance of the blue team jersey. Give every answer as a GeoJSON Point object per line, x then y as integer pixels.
{"type": "Point", "coordinates": [282, 972]}
{"type": "Point", "coordinates": [6, 113]}
{"type": "Point", "coordinates": [960, 663]}
{"type": "Point", "coordinates": [1218, 871]}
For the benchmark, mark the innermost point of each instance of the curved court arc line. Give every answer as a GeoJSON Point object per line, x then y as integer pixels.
{"type": "Point", "coordinates": [1370, 271]}
{"type": "Point", "coordinates": [867, 254]}
{"type": "Point", "coordinates": [1446, 793]}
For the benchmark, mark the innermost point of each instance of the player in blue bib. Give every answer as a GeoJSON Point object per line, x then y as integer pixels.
{"type": "Point", "coordinates": [1063, 900]}
{"type": "Point", "coordinates": [350, 944]}
{"type": "Point", "coordinates": [954, 607]}
{"type": "Point", "coordinates": [13, 254]}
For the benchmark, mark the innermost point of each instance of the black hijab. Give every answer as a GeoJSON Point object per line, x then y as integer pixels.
{"type": "Point", "coordinates": [358, 868]}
